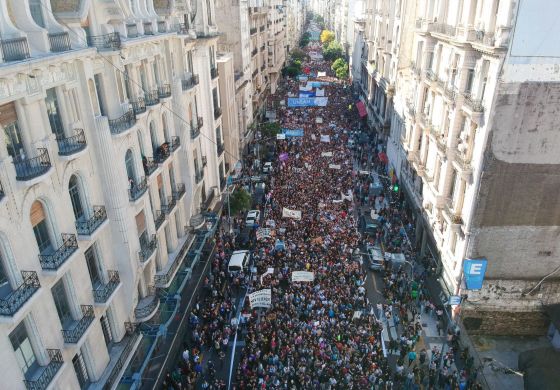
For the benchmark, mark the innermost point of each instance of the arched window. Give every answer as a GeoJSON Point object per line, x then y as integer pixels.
{"type": "Point", "coordinates": [41, 231]}
{"type": "Point", "coordinates": [129, 162]}
{"type": "Point", "coordinates": [76, 198]}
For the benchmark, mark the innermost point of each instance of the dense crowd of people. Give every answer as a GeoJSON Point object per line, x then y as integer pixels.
{"type": "Point", "coordinates": [324, 333]}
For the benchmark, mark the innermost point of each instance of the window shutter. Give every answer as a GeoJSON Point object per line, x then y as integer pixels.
{"type": "Point", "coordinates": [8, 114]}
{"type": "Point", "coordinates": [140, 222]}
{"type": "Point", "coordinates": [37, 213]}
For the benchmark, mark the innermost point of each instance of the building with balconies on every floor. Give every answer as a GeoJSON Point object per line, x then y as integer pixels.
{"type": "Point", "coordinates": [113, 148]}
{"type": "Point", "coordinates": [473, 142]}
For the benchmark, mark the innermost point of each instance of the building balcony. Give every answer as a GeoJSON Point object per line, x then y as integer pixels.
{"type": "Point", "coordinates": [214, 73]}
{"type": "Point", "coordinates": [217, 112]}
{"type": "Point", "coordinates": [463, 162]}
{"type": "Point", "coordinates": [164, 91]}
{"type": "Point", "coordinates": [147, 249]}
{"type": "Point", "coordinates": [159, 219]}
{"type": "Point", "coordinates": [199, 122]}
{"type": "Point", "coordinates": [15, 49]}
{"type": "Point", "coordinates": [147, 306]}
{"type": "Point", "coordinates": [254, 52]}
{"type": "Point", "coordinates": [88, 226]}
{"type": "Point", "coordinates": [136, 190]}
{"type": "Point", "coordinates": [261, 28]}
{"type": "Point", "coordinates": [14, 301]}
{"type": "Point", "coordinates": [161, 27]}
{"type": "Point", "coordinates": [53, 261]}
{"type": "Point", "coordinates": [152, 98]}
{"type": "Point", "coordinates": [170, 205]}
{"type": "Point", "coordinates": [138, 106]}
{"type": "Point", "coordinates": [195, 132]}
{"type": "Point", "coordinates": [59, 42]}
{"type": "Point", "coordinates": [174, 144]}
{"type": "Point", "coordinates": [131, 30]}
{"type": "Point", "coordinates": [150, 166]}
{"type": "Point", "coordinates": [46, 373]}
{"type": "Point", "coordinates": [454, 216]}
{"type": "Point", "coordinates": [30, 168]}
{"type": "Point", "coordinates": [162, 153]}
{"type": "Point", "coordinates": [474, 104]}
{"type": "Point", "coordinates": [450, 93]}
{"type": "Point", "coordinates": [179, 190]}
{"type": "Point", "coordinates": [148, 28]}
{"type": "Point", "coordinates": [122, 123]}
{"type": "Point", "coordinates": [189, 82]}
{"type": "Point", "coordinates": [102, 294]}
{"type": "Point", "coordinates": [444, 29]}
{"type": "Point", "coordinates": [220, 148]}
{"type": "Point", "coordinates": [431, 76]}
{"type": "Point", "coordinates": [198, 176]}
{"type": "Point", "coordinates": [484, 37]}
{"type": "Point", "coordinates": [253, 30]}
{"type": "Point", "coordinates": [79, 327]}
{"type": "Point", "coordinates": [111, 41]}
{"type": "Point", "coordinates": [68, 146]}
{"type": "Point", "coordinates": [163, 278]}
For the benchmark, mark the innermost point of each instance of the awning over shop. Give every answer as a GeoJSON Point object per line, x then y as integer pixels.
{"type": "Point", "coordinates": [361, 109]}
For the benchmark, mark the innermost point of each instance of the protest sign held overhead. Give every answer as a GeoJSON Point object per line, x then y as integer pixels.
{"type": "Point", "coordinates": [294, 214]}
{"type": "Point", "coordinates": [261, 298]}
{"type": "Point", "coordinates": [302, 276]}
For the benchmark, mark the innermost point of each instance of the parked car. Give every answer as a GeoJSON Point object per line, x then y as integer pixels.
{"type": "Point", "coordinates": [252, 218]}
{"type": "Point", "coordinates": [367, 225]}
{"type": "Point", "coordinates": [376, 261]}
{"type": "Point", "coordinates": [245, 238]}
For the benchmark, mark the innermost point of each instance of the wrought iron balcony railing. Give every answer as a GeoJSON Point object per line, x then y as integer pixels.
{"type": "Point", "coordinates": [162, 153]}
{"type": "Point", "coordinates": [474, 104]}
{"type": "Point", "coordinates": [123, 123]}
{"type": "Point", "coordinates": [30, 168]}
{"type": "Point", "coordinates": [174, 144]}
{"type": "Point", "coordinates": [159, 218]}
{"type": "Point", "coordinates": [48, 372]}
{"type": "Point", "coordinates": [111, 41]}
{"type": "Point", "coordinates": [72, 336]}
{"type": "Point", "coordinates": [217, 112]}
{"type": "Point", "coordinates": [171, 203]}
{"type": "Point", "coordinates": [152, 98]}
{"type": "Point", "coordinates": [147, 248]}
{"type": "Point", "coordinates": [129, 341]}
{"type": "Point", "coordinates": [141, 312]}
{"type": "Point", "coordinates": [138, 106]}
{"type": "Point", "coordinates": [103, 292]}
{"type": "Point", "coordinates": [136, 190]}
{"type": "Point", "coordinates": [195, 132]}
{"type": "Point", "coordinates": [15, 49]}
{"type": "Point", "coordinates": [70, 145]}
{"type": "Point", "coordinates": [59, 42]}
{"type": "Point", "coordinates": [214, 73]}
{"type": "Point", "coordinates": [220, 148]}
{"type": "Point", "coordinates": [164, 91]}
{"type": "Point", "coordinates": [150, 165]}
{"type": "Point", "coordinates": [86, 227]}
{"type": "Point", "coordinates": [253, 30]}
{"type": "Point", "coordinates": [52, 261]}
{"type": "Point", "coordinates": [17, 298]}
{"type": "Point", "coordinates": [199, 122]}
{"type": "Point", "coordinates": [189, 82]}
{"type": "Point", "coordinates": [164, 279]}
{"type": "Point", "coordinates": [178, 191]}
{"type": "Point", "coordinates": [204, 161]}
{"type": "Point", "coordinates": [161, 26]}
{"type": "Point", "coordinates": [198, 176]}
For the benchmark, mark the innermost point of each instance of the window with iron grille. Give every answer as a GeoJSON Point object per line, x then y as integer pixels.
{"type": "Point", "coordinates": [80, 369]}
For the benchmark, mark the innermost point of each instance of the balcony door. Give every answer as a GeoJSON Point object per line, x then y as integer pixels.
{"type": "Point", "coordinates": [53, 112]}
{"type": "Point", "coordinates": [75, 198]}
{"type": "Point", "coordinates": [61, 303]}
{"type": "Point", "coordinates": [93, 267]}
{"type": "Point", "coordinates": [12, 133]}
{"type": "Point", "coordinates": [23, 349]}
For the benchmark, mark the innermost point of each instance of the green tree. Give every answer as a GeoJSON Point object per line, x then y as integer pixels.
{"type": "Point", "coordinates": [270, 129]}
{"type": "Point", "coordinates": [304, 39]}
{"type": "Point", "coordinates": [298, 54]}
{"type": "Point", "coordinates": [340, 68]}
{"type": "Point", "coordinates": [239, 201]}
{"type": "Point", "coordinates": [332, 51]}
{"type": "Point", "coordinates": [338, 63]}
{"type": "Point", "coordinates": [327, 36]}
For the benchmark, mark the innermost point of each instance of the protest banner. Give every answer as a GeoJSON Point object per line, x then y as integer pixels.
{"type": "Point", "coordinates": [308, 102]}
{"type": "Point", "coordinates": [287, 213]}
{"type": "Point", "coordinates": [318, 120]}
{"type": "Point", "coordinates": [302, 276]}
{"type": "Point", "coordinates": [321, 74]}
{"type": "Point", "coordinates": [292, 132]}
{"type": "Point", "coordinates": [261, 298]}
{"type": "Point", "coordinates": [271, 223]}
{"type": "Point", "coordinates": [262, 233]}
{"type": "Point", "coordinates": [269, 271]}
{"type": "Point", "coordinates": [326, 154]}
{"type": "Point", "coordinates": [280, 136]}
{"type": "Point", "coordinates": [320, 92]}
{"type": "Point", "coordinates": [334, 166]}
{"type": "Point", "coordinates": [325, 138]}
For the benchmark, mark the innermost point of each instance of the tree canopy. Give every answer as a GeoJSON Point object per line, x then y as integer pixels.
{"type": "Point", "coordinates": [327, 36]}
{"type": "Point", "coordinates": [239, 201]}
{"type": "Point", "coordinates": [333, 51]}
{"type": "Point", "coordinates": [340, 68]}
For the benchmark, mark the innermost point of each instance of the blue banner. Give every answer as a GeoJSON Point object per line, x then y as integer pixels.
{"type": "Point", "coordinates": [318, 84]}
{"type": "Point", "coordinates": [308, 102]}
{"type": "Point", "coordinates": [303, 78]}
{"type": "Point", "coordinates": [474, 270]}
{"type": "Point", "coordinates": [292, 132]}
{"type": "Point", "coordinates": [304, 94]}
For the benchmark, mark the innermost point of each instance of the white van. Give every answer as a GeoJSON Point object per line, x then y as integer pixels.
{"type": "Point", "coordinates": [239, 261]}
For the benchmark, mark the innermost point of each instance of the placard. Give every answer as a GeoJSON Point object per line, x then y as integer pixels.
{"type": "Point", "coordinates": [326, 154]}
{"type": "Point", "coordinates": [302, 276]}
{"type": "Point", "coordinates": [334, 166]}
{"type": "Point", "coordinates": [261, 298]}
{"type": "Point", "coordinates": [287, 213]}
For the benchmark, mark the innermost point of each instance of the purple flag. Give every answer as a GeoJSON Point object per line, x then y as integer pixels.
{"type": "Point", "coordinates": [283, 157]}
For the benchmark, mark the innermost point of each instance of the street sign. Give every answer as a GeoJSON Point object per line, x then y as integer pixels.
{"type": "Point", "coordinates": [474, 270]}
{"type": "Point", "coordinates": [454, 300]}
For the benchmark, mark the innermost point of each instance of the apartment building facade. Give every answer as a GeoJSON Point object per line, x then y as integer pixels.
{"type": "Point", "coordinates": [114, 146]}
{"type": "Point", "coordinates": [441, 115]}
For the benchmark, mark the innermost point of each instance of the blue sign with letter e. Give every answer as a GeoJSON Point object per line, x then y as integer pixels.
{"type": "Point", "coordinates": [474, 270]}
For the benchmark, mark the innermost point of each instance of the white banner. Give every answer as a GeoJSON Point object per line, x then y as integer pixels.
{"type": "Point", "coordinates": [320, 92]}
{"type": "Point", "coordinates": [334, 166]}
{"type": "Point", "coordinates": [302, 276]}
{"type": "Point", "coordinates": [321, 74]}
{"type": "Point", "coordinates": [269, 271]}
{"type": "Point", "coordinates": [287, 213]}
{"type": "Point", "coordinates": [280, 136]}
{"type": "Point", "coordinates": [313, 137]}
{"type": "Point", "coordinates": [263, 233]}
{"type": "Point", "coordinates": [271, 223]}
{"type": "Point", "coordinates": [326, 154]}
{"type": "Point", "coordinates": [261, 298]}
{"type": "Point", "coordinates": [318, 120]}
{"type": "Point", "coordinates": [325, 138]}
{"type": "Point", "coordinates": [306, 88]}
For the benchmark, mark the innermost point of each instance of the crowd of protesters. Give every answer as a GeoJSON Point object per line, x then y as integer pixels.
{"type": "Point", "coordinates": [321, 334]}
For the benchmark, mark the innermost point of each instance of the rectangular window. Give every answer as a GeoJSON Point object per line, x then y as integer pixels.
{"type": "Point", "coordinates": [42, 237]}
{"type": "Point", "coordinates": [14, 142]}
{"type": "Point", "coordinates": [106, 327]}
{"type": "Point", "coordinates": [75, 200]}
{"type": "Point", "coordinates": [80, 369]}
{"type": "Point", "coordinates": [36, 9]}
{"type": "Point", "coordinates": [119, 85]}
{"type": "Point", "coordinates": [23, 350]}
{"type": "Point", "coordinates": [61, 303]}
{"type": "Point", "coordinates": [218, 134]}
{"type": "Point", "coordinates": [99, 89]}
{"type": "Point", "coordinates": [215, 98]}
{"type": "Point", "coordinates": [93, 266]}
{"type": "Point", "coordinates": [470, 80]}
{"type": "Point", "coordinates": [5, 287]}
{"type": "Point", "coordinates": [53, 111]}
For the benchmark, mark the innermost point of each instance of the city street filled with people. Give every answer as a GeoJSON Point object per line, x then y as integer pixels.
{"type": "Point", "coordinates": [334, 319]}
